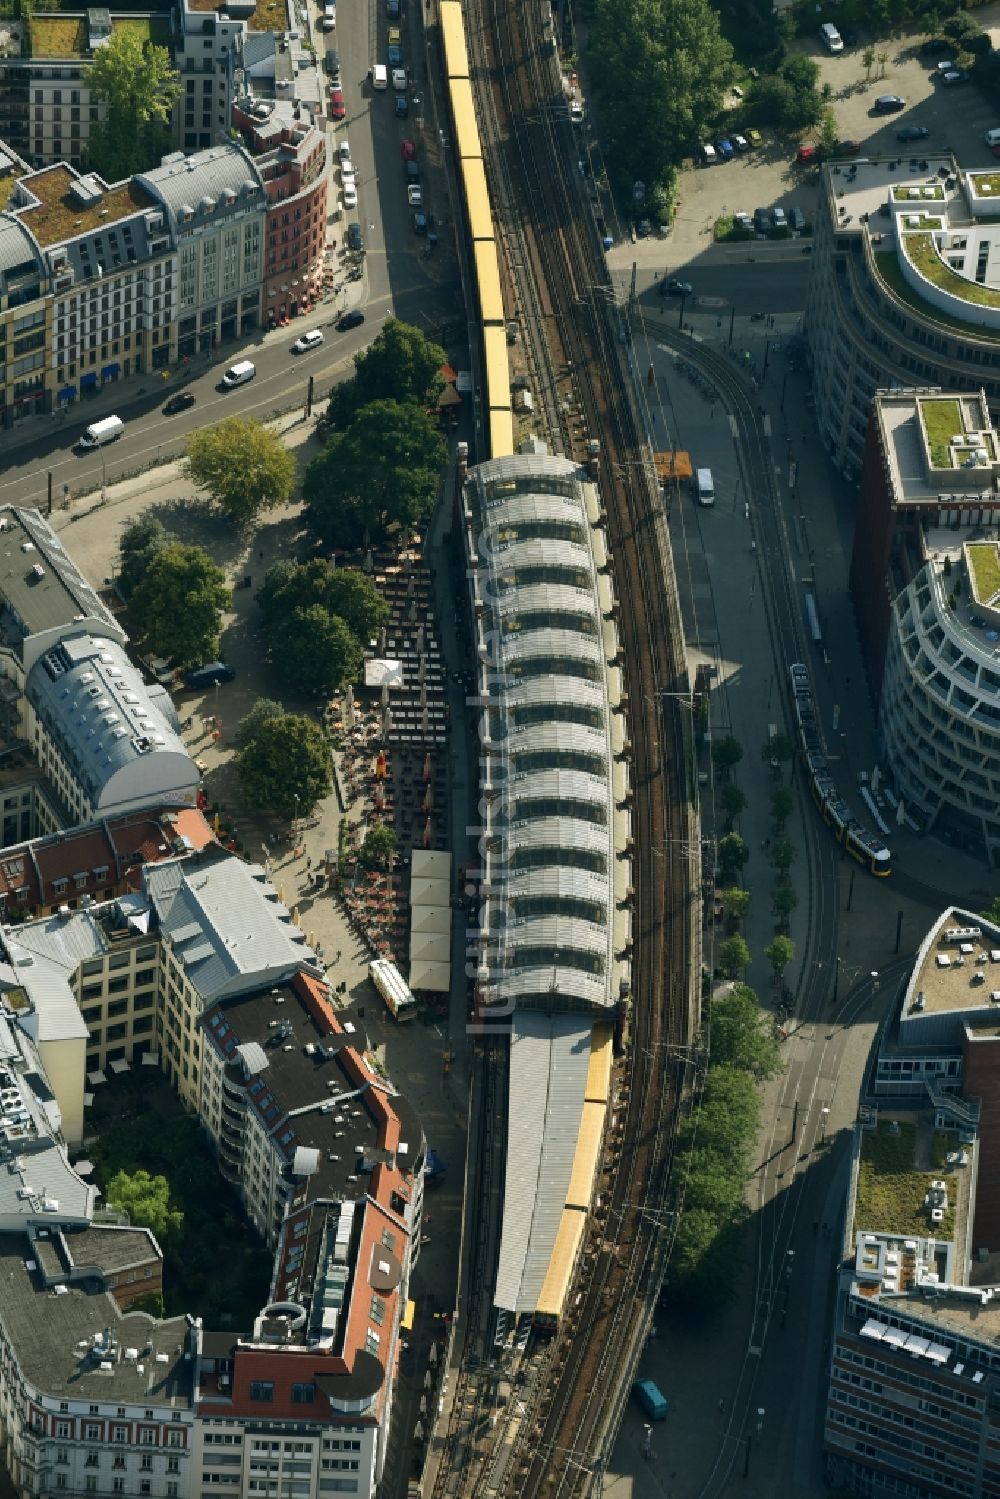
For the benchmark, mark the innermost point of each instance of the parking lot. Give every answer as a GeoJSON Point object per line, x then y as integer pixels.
{"type": "Point", "coordinates": [956, 118]}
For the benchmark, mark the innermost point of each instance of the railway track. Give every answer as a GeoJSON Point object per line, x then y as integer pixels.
{"type": "Point", "coordinates": [554, 1437]}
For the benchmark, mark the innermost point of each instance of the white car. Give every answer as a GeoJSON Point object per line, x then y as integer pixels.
{"type": "Point", "coordinates": [414, 196]}
{"type": "Point", "coordinates": [310, 340]}
{"type": "Point", "coordinates": [575, 112]}
{"type": "Point", "coordinates": [399, 80]}
{"type": "Point", "coordinates": [329, 17]}
{"type": "Point", "coordinates": [350, 194]}
{"type": "Point", "coordinates": [345, 150]}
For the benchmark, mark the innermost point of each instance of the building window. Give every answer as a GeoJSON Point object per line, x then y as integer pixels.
{"type": "Point", "coordinates": [303, 1394]}
{"type": "Point", "coordinates": [261, 1389]}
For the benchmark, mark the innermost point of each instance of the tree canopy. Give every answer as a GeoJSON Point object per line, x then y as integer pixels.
{"type": "Point", "coordinates": [179, 607]}
{"type": "Point", "coordinates": [134, 78]}
{"type": "Point", "coordinates": [664, 68]}
{"type": "Point", "coordinates": [319, 652]}
{"type": "Point", "coordinates": [344, 591]}
{"type": "Point", "coordinates": [740, 1036]}
{"type": "Point", "coordinates": [381, 471]}
{"type": "Point", "coordinates": [402, 365]}
{"type": "Point", "coordinates": [146, 1200]}
{"type": "Point", "coordinates": [251, 723]}
{"type": "Point", "coordinates": [790, 98]}
{"type": "Point", "coordinates": [285, 767]}
{"type": "Point", "coordinates": [244, 466]}
{"type": "Point", "coordinates": [378, 847]}
{"type": "Point", "coordinates": [734, 957]}
{"type": "Point", "coordinates": [140, 541]}
{"type": "Point", "coordinates": [779, 953]}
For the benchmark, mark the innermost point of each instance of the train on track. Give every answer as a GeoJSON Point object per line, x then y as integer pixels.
{"type": "Point", "coordinates": [482, 232]}
{"type": "Point", "coordinates": [868, 848]}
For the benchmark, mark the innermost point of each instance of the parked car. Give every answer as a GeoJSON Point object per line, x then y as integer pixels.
{"type": "Point", "coordinates": [350, 193]}
{"type": "Point", "coordinates": [414, 195]}
{"type": "Point", "coordinates": [352, 319]}
{"type": "Point", "coordinates": [399, 80]}
{"type": "Point", "coordinates": [332, 64]}
{"type": "Point", "coordinates": [402, 106]}
{"type": "Point", "coordinates": [742, 221]}
{"type": "Point", "coordinates": [394, 55]}
{"type": "Point", "coordinates": [338, 104]}
{"type": "Point", "coordinates": [677, 288]}
{"type": "Point", "coordinates": [344, 150]}
{"type": "Point", "coordinates": [419, 223]}
{"type": "Point", "coordinates": [778, 218]}
{"type": "Point", "coordinates": [741, 143]}
{"type": "Point", "coordinates": [329, 16]}
{"type": "Point", "coordinates": [182, 401]}
{"type": "Point", "coordinates": [797, 219]}
{"type": "Point", "coordinates": [392, 9]}
{"type": "Point", "coordinates": [953, 76]}
{"type": "Point", "coordinates": [847, 148]}
{"type": "Point", "coordinates": [407, 150]}
{"type": "Point", "coordinates": [725, 150]}
{"type": "Point", "coordinates": [709, 155]}
{"type": "Point", "coordinates": [888, 104]}
{"type": "Point", "coordinates": [575, 112]}
{"type": "Point", "coordinates": [208, 675]}
{"type": "Point", "coordinates": [307, 341]}
{"type": "Point", "coordinates": [355, 239]}
{"type": "Point", "coordinates": [412, 170]}
{"type": "Point", "coordinates": [913, 133]}
{"type": "Point", "coordinates": [945, 66]}
{"type": "Point", "coordinates": [808, 152]}
{"type": "Point", "coordinates": [395, 37]}
{"type": "Point", "coordinates": [754, 137]}
{"type": "Point", "coordinates": [761, 220]}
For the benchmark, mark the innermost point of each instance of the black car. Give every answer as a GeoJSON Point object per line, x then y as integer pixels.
{"type": "Point", "coordinates": [888, 104]}
{"type": "Point", "coordinates": [355, 239]}
{"type": "Point", "coordinates": [419, 223]}
{"type": "Point", "coordinates": [180, 402]}
{"type": "Point", "coordinates": [676, 288]}
{"type": "Point", "coordinates": [392, 9]}
{"type": "Point", "coordinates": [332, 64]}
{"type": "Point", "coordinates": [208, 675]}
{"type": "Point", "coordinates": [352, 319]}
{"type": "Point", "coordinates": [412, 171]}
{"type": "Point", "coordinates": [761, 220]}
{"type": "Point", "coordinates": [912, 133]}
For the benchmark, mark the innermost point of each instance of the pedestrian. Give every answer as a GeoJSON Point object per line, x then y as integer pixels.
{"type": "Point", "coordinates": [337, 958]}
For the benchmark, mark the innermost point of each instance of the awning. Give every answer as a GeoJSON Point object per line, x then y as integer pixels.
{"type": "Point", "coordinates": [67, 393]}
{"type": "Point", "coordinates": [119, 1066]}
{"type": "Point", "coordinates": [151, 1059]}
{"type": "Point", "coordinates": [110, 371]}
{"type": "Point", "coordinates": [94, 1078]}
{"type": "Point", "coordinates": [90, 379]}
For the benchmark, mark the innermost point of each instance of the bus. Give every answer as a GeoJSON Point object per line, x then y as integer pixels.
{"type": "Point", "coordinates": [813, 617]}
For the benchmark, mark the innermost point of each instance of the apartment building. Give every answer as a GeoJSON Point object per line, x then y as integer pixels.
{"type": "Point", "coordinates": [921, 583]}
{"type": "Point", "coordinates": [912, 1404]}
{"type": "Point", "coordinates": [291, 156]}
{"type": "Point", "coordinates": [904, 289]}
{"type": "Point", "coordinates": [111, 1400]}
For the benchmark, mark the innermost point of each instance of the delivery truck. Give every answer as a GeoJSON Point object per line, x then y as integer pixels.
{"type": "Point", "coordinates": [393, 988]}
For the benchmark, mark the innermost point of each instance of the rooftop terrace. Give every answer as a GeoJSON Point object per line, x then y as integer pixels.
{"type": "Point", "coordinates": [66, 36]}
{"type": "Point", "coordinates": [57, 216]}
{"type": "Point", "coordinates": [958, 969]}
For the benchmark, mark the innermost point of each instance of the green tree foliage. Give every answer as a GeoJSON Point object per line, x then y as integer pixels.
{"type": "Point", "coordinates": [402, 365]}
{"type": "Point", "coordinates": [782, 854]}
{"type": "Point", "coordinates": [285, 767]}
{"type": "Point", "coordinates": [729, 1114]}
{"type": "Point", "coordinates": [726, 753]}
{"type": "Point", "coordinates": [378, 847]}
{"type": "Point", "coordinates": [140, 542]}
{"type": "Point", "coordinates": [245, 467]}
{"type": "Point", "coordinates": [789, 98]}
{"type": "Point", "coordinates": [146, 1200]}
{"type": "Point", "coordinates": [252, 722]}
{"type": "Point", "coordinates": [732, 854]}
{"type": "Point", "coordinates": [734, 957]}
{"type": "Point", "coordinates": [828, 133]}
{"type": "Point", "coordinates": [782, 802]}
{"type": "Point", "coordinates": [736, 902]}
{"type": "Point", "coordinates": [740, 1035]}
{"type": "Point", "coordinates": [179, 607]}
{"type": "Point", "coordinates": [732, 801]}
{"type": "Point", "coordinates": [992, 911]}
{"type": "Point", "coordinates": [344, 591]}
{"type": "Point", "coordinates": [380, 472]}
{"type": "Point", "coordinates": [777, 747]}
{"type": "Point", "coordinates": [784, 900]}
{"type": "Point", "coordinates": [320, 651]}
{"type": "Point", "coordinates": [664, 69]}
{"type": "Point", "coordinates": [137, 83]}
{"type": "Point", "coordinates": [779, 954]}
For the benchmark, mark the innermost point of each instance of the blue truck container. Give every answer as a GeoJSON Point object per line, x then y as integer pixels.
{"type": "Point", "coordinates": [649, 1397]}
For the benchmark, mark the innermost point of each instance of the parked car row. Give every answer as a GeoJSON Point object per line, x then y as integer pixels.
{"type": "Point", "coordinates": [730, 146]}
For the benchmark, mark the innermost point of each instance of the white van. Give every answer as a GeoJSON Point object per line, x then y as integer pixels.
{"type": "Point", "coordinates": [831, 38]}
{"type": "Point", "coordinates": [109, 429]}
{"type": "Point", "coordinates": [380, 75]}
{"type": "Point", "coordinates": [992, 137]}
{"type": "Point", "coordinates": [239, 374]}
{"type": "Point", "coordinates": [704, 488]}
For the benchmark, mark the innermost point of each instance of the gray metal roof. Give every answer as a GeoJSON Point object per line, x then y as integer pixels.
{"type": "Point", "coordinates": [17, 246]}
{"type": "Point", "coordinates": [550, 766]}
{"type": "Point", "coordinates": [549, 1058]}
{"type": "Point", "coordinates": [93, 703]}
{"type": "Point", "coordinates": [206, 187]}
{"type": "Point", "coordinates": [37, 1183]}
{"type": "Point", "coordinates": [41, 587]}
{"type": "Point", "coordinates": [222, 925]}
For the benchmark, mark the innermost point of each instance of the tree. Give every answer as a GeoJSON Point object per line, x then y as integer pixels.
{"type": "Point", "coordinates": [739, 1035]}
{"type": "Point", "coordinates": [729, 1114]}
{"type": "Point", "coordinates": [883, 59]}
{"type": "Point", "coordinates": [992, 911]}
{"type": "Point", "coordinates": [245, 467]}
{"type": "Point", "coordinates": [784, 900]}
{"type": "Point", "coordinates": [868, 58]}
{"type": "Point", "coordinates": [140, 542]}
{"type": "Point", "coordinates": [829, 135]}
{"type": "Point", "coordinates": [734, 957]}
{"type": "Point", "coordinates": [135, 80]}
{"type": "Point", "coordinates": [285, 768]}
{"type": "Point", "coordinates": [378, 847]}
{"type": "Point", "coordinates": [319, 653]}
{"type": "Point", "coordinates": [381, 471]}
{"type": "Point", "coordinates": [782, 802]}
{"type": "Point", "coordinates": [146, 1200]}
{"type": "Point", "coordinates": [779, 954]}
{"type": "Point", "coordinates": [401, 365]}
{"type": "Point", "coordinates": [736, 902]}
{"type": "Point", "coordinates": [732, 854]}
{"type": "Point", "coordinates": [252, 722]}
{"type": "Point", "coordinates": [790, 97]}
{"type": "Point", "coordinates": [343, 591]}
{"type": "Point", "coordinates": [726, 753]}
{"type": "Point", "coordinates": [782, 854]}
{"type": "Point", "coordinates": [732, 800]}
{"type": "Point", "coordinates": [664, 70]}
{"type": "Point", "coordinates": [179, 607]}
{"type": "Point", "coordinates": [777, 748]}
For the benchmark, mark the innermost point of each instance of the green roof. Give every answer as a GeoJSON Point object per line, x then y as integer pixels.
{"type": "Point", "coordinates": [924, 254]}
{"type": "Point", "coordinates": [984, 562]}
{"type": "Point", "coordinates": [942, 419]}
{"type": "Point", "coordinates": [891, 1190]}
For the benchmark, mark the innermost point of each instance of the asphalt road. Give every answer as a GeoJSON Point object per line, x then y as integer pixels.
{"type": "Point", "coordinates": [756, 276]}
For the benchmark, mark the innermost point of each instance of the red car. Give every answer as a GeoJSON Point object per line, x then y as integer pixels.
{"type": "Point", "coordinates": [409, 150]}
{"type": "Point", "coordinates": [338, 104]}
{"type": "Point", "coordinates": [806, 153]}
